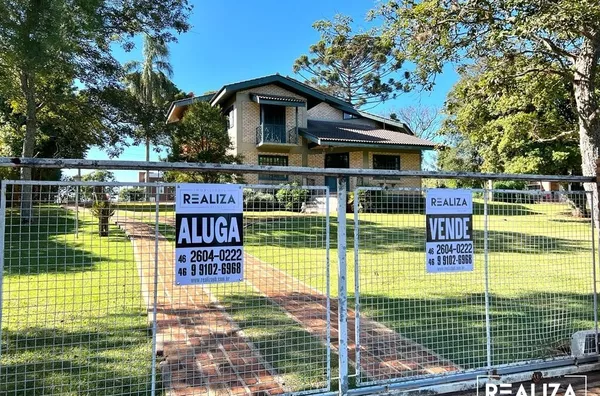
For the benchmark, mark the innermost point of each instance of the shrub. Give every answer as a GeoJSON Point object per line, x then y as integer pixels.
{"type": "Point", "coordinates": [292, 197]}
{"type": "Point", "coordinates": [133, 194]}
{"type": "Point", "coordinates": [511, 197]}
{"type": "Point", "coordinates": [256, 200]}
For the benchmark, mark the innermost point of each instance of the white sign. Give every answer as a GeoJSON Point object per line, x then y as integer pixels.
{"type": "Point", "coordinates": [449, 226]}
{"type": "Point", "coordinates": [209, 238]}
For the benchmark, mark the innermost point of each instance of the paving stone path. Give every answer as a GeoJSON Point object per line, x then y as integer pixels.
{"type": "Point", "coordinates": [205, 352]}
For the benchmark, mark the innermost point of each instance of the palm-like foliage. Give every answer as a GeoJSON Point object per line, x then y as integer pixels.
{"type": "Point", "coordinates": [149, 81]}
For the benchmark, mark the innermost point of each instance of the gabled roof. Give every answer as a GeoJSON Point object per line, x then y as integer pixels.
{"type": "Point", "coordinates": [327, 133]}
{"type": "Point", "coordinates": [313, 95]}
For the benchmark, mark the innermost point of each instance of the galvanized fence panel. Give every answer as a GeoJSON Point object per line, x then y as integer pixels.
{"type": "Point", "coordinates": [531, 289]}
{"type": "Point", "coordinates": [89, 303]}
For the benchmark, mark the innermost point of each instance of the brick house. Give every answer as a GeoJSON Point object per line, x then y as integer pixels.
{"type": "Point", "coordinates": [165, 194]}
{"type": "Point", "coordinates": [276, 120]}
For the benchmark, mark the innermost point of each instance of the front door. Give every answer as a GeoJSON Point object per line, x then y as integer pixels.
{"type": "Point", "coordinates": [336, 160]}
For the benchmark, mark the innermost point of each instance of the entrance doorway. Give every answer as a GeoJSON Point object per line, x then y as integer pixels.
{"type": "Point", "coordinates": [336, 160]}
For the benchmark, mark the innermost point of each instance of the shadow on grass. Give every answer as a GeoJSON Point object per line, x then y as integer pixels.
{"type": "Point", "coordinates": [36, 248]}
{"type": "Point", "coordinates": [532, 326]}
{"type": "Point", "coordinates": [45, 360]}
{"type": "Point", "coordinates": [299, 232]}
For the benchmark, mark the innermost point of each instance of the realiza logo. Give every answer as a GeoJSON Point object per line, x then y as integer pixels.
{"type": "Point", "coordinates": [488, 386]}
{"type": "Point", "coordinates": [196, 199]}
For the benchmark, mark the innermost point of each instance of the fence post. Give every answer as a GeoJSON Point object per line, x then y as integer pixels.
{"type": "Point", "coordinates": [593, 220]}
{"type": "Point", "coordinates": [488, 331]}
{"type": "Point", "coordinates": [155, 294]}
{"type": "Point", "coordinates": [2, 253]}
{"type": "Point", "coordinates": [342, 286]}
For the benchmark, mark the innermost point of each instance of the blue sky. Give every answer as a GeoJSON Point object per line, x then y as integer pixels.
{"type": "Point", "coordinates": [237, 40]}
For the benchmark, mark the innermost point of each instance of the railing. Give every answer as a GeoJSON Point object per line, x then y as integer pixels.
{"type": "Point", "coordinates": [273, 133]}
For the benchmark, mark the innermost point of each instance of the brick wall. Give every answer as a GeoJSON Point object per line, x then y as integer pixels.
{"type": "Point", "coordinates": [323, 111]}
{"type": "Point", "coordinates": [251, 158]}
{"type": "Point", "coordinates": [408, 161]}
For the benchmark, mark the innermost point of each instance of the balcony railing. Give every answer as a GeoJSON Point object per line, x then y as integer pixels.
{"type": "Point", "coordinates": [272, 133]}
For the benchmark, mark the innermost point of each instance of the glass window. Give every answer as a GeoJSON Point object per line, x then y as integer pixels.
{"type": "Point", "coordinates": [348, 116]}
{"type": "Point", "coordinates": [272, 160]}
{"type": "Point", "coordinates": [387, 162]}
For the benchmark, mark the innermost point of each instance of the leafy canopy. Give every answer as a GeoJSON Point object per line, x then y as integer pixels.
{"type": "Point", "coordinates": [518, 125]}
{"type": "Point", "coordinates": [201, 136]}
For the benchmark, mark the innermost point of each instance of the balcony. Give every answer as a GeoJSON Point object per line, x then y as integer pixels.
{"type": "Point", "coordinates": [276, 136]}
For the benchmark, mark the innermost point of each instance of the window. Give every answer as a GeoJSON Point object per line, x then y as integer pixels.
{"type": "Point", "coordinates": [386, 162]}
{"type": "Point", "coordinates": [272, 160]}
{"type": "Point", "coordinates": [230, 114]}
{"type": "Point", "coordinates": [348, 116]}
{"type": "Point", "coordinates": [272, 115]}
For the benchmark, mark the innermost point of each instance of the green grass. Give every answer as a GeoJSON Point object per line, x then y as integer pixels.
{"type": "Point", "coordinates": [540, 278]}
{"type": "Point", "coordinates": [73, 318]}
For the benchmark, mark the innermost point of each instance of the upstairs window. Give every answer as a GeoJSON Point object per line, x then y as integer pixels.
{"type": "Point", "coordinates": [272, 160]}
{"type": "Point", "coordinates": [230, 114]}
{"type": "Point", "coordinates": [272, 115]}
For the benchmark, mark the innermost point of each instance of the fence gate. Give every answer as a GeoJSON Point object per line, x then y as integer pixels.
{"type": "Point", "coordinates": [89, 304]}
{"type": "Point", "coordinates": [531, 289]}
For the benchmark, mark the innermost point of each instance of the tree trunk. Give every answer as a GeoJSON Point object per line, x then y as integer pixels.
{"type": "Point", "coordinates": [28, 88]}
{"type": "Point", "coordinates": [587, 112]}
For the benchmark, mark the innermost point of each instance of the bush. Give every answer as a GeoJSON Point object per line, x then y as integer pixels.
{"type": "Point", "coordinates": [292, 197]}
{"type": "Point", "coordinates": [103, 211]}
{"type": "Point", "coordinates": [133, 194]}
{"type": "Point", "coordinates": [256, 200]}
{"type": "Point", "coordinates": [381, 201]}
{"type": "Point", "coordinates": [511, 197]}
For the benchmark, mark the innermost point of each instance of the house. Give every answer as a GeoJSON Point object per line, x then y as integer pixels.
{"type": "Point", "coordinates": [277, 120]}
{"type": "Point", "coordinates": [165, 194]}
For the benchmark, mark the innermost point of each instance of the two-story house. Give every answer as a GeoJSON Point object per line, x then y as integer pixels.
{"type": "Point", "coordinates": [276, 120]}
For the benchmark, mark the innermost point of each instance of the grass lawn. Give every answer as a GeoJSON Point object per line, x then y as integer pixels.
{"type": "Point", "coordinates": [540, 277]}
{"type": "Point", "coordinates": [540, 266]}
{"type": "Point", "coordinates": [73, 318]}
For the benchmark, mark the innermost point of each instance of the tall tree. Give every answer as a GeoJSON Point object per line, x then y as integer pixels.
{"type": "Point", "coordinates": [520, 125]}
{"type": "Point", "coordinates": [149, 81]}
{"type": "Point", "coordinates": [356, 67]}
{"type": "Point", "coordinates": [556, 38]}
{"type": "Point", "coordinates": [44, 41]}
{"type": "Point", "coordinates": [201, 136]}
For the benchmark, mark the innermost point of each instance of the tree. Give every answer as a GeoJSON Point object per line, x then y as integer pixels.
{"type": "Point", "coordinates": [424, 122]}
{"type": "Point", "coordinates": [201, 136]}
{"type": "Point", "coordinates": [357, 68]}
{"type": "Point", "coordinates": [47, 43]}
{"type": "Point", "coordinates": [520, 125]}
{"type": "Point", "coordinates": [149, 81]}
{"type": "Point", "coordinates": [554, 38]}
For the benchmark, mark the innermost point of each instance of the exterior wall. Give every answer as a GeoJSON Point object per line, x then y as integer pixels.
{"type": "Point", "coordinates": [251, 158]}
{"type": "Point", "coordinates": [325, 112]}
{"type": "Point", "coordinates": [409, 160]}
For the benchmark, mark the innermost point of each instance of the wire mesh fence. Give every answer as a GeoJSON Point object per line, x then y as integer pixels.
{"type": "Point", "coordinates": [90, 305]}
{"type": "Point", "coordinates": [540, 275]}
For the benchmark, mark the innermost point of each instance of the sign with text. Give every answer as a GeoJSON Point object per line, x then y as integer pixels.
{"type": "Point", "coordinates": [449, 229]}
{"type": "Point", "coordinates": [209, 234]}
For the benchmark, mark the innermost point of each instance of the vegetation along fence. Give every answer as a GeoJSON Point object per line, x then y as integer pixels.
{"type": "Point", "coordinates": [350, 293]}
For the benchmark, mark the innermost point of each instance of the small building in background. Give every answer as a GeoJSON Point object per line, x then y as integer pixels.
{"type": "Point", "coordinates": [165, 193]}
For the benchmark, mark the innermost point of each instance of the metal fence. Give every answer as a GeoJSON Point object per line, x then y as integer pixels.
{"type": "Point", "coordinates": [90, 305]}
{"type": "Point", "coordinates": [531, 290]}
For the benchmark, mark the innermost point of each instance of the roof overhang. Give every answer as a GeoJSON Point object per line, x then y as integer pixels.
{"type": "Point", "coordinates": [178, 107]}
{"type": "Point", "coordinates": [336, 143]}
{"type": "Point", "coordinates": [277, 100]}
